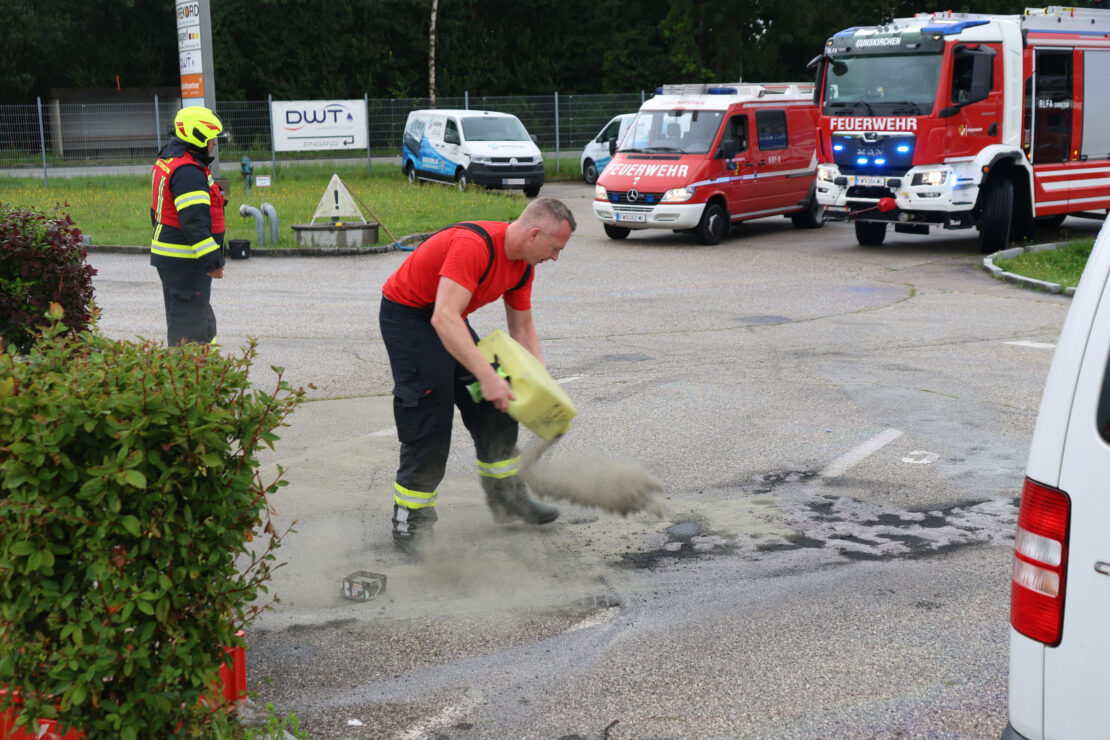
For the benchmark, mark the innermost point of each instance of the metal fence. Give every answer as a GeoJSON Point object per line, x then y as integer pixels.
{"type": "Point", "coordinates": [100, 138]}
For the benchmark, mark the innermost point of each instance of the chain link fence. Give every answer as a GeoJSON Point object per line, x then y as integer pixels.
{"type": "Point", "coordinates": [102, 138]}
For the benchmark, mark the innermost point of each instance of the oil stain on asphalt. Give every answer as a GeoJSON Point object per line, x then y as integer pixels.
{"type": "Point", "coordinates": [815, 519]}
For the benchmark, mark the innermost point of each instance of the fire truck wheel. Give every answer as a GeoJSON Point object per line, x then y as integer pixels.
{"type": "Point", "coordinates": [713, 225]}
{"type": "Point", "coordinates": [994, 227]}
{"type": "Point", "coordinates": [616, 232]}
{"type": "Point", "coordinates": [870, 233]}
{"type": "Point", "coordinates": [589, 172]}
{"type": "Point", "coordinates": [812, 216]}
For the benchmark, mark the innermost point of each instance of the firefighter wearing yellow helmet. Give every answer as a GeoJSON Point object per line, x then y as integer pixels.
{"type": "Point", "coordinates": [187, 213]}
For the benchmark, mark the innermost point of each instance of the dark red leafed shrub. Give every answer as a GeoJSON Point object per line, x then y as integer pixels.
{"type": "Point", "coordinates": [42, 261]}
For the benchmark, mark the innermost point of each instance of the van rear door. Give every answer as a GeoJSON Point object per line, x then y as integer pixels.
{"type": "Point", "coordinates": [1077, 671]}
{"type": "Point", "coordinates": [433, 162]}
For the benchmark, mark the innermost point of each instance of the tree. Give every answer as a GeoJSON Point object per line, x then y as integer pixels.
{"type": "Point", "coordinates": [432, 54]}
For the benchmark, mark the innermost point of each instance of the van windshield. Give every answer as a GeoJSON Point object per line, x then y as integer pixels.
{"type": "Point", "coordinates": [501, 128]}
{"type": "Point", "coordinates": [682, 131]}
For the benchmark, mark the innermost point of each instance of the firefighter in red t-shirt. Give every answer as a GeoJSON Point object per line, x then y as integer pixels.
{"type": "Point", "coordinates": [433, 354]}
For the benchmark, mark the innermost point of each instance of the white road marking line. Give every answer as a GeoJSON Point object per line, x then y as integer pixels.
{"type": "Point", "coordinates": [1032, 345]}
{"type": "Point", "coordinates": [383, 432]}
{"type": "Point", "coordinates": [571, 379]}
{"type": "Point", "coordinates": [601, 617]}
{"type": "Point", "coordinates": [921, 457]}
{"type": "Point", "coordinates": [449, 715]}
{"type": "Point", "coordinates": [854, 456]}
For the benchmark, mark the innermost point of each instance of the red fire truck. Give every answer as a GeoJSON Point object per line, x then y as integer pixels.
{"type": "Point", "coordinates": [957, 120]}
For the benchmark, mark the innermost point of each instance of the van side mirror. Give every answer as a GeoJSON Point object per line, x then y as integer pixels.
{"type": "Point", "coordinates": [612, 146]}
{"type": "Point", "coordinates": [534, 139]}
{"type": "Point", "coordinates": [451, 137]}
{"type": "Point", "coordinates": [728, 149]}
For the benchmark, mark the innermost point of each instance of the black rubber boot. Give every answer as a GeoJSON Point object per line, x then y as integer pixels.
{"type": "Point", "coordinates": [509, 501]}
{"type": "Point", "coordinates": [412, 528]}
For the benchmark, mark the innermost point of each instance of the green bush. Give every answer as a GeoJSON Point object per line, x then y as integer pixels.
{"type": "Point", "coordinates": [42, 261]}
{"type": "Point", "coordinates": [129, 491]}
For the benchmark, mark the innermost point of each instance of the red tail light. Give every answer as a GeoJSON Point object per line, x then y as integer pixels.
{"type": "Point", "coordinates": [1040, 563]}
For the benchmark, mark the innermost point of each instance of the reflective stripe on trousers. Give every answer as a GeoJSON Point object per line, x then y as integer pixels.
{"type": "Point", "coordinates": [411, 499]}
{"type": "Point", "coordinates": [500, 469]}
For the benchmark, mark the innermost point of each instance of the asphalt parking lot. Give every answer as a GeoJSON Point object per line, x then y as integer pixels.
{"type": "Point", "coordinates": [841, 433]}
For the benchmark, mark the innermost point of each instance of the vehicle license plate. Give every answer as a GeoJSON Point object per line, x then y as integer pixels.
{"type": "Point", "coordinates": [512, 181]}
{"type": "Point", "coordinates": [870, 181]}
{"type": "Point", "coordinates": [636, 218]}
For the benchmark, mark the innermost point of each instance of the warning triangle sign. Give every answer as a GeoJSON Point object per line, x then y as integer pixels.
{"type": "Point", "coordinates": [337, 203]}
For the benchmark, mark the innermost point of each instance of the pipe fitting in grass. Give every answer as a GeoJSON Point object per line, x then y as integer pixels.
{"type": "Point", "coordinates": [271, 215]}
{"type": "Point", "coordinates": [260, 232]}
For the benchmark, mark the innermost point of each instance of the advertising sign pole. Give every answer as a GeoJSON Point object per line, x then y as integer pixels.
{"type": "Point", "coordinates": [194, 53]}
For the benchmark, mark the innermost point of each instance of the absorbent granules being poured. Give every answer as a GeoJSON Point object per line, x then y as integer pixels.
{"type": "Point", "coordinates": [609, 483]}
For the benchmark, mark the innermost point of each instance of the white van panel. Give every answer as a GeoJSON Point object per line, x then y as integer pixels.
{"type": "Point", "coordinates": [1057, 692]}
{"type": "Point", "coordinates": [1049, 434]}
{"type": "Point", "coordinates": [1026, 686]}
{"type": "Point", "coordinates": [1077, 672]}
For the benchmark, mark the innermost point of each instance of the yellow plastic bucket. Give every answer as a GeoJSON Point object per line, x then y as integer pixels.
{"type": "Point", "coordinates": [539, 403]}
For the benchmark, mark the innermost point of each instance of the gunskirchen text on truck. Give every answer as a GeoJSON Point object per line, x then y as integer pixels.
{"type": "Point", "coordinates": [958, 120]}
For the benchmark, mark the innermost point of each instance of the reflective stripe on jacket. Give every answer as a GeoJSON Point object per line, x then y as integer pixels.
{"type": "Point", "coordinates": [169, 239]}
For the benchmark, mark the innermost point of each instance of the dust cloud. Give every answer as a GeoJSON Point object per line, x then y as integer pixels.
{"type": "Point", "coordinates": [612, 484]}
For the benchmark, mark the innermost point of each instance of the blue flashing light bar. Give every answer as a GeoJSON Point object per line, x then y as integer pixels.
{"type": "Point", "coordinates": [880, 161]}
{"type": "Point", "coordinates": [722, 90]}
{"type": "Point", "coordinates": [947, 28]}
{"type": "Point", "coordinates": [847, 31]}
{"type": "Point", "coordinates": [903, 148]}
{"type": "Point", "coordinates": [861, 160]}
{"type": "Point", "coordinates": [838, 147]}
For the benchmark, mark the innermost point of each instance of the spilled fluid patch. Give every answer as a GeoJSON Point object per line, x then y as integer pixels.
{"type": "Point", "coordinates": [818, 521]}
{"type": "Point", "coordinates": [687, 540]}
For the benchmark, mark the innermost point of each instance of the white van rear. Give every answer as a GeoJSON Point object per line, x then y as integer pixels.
{"type": "Point", "coordinates": [1060, 590]}
{"type": "Point", "coordinates": [471, 146]}
{"type": "Point", "coordinates": [600, 150]}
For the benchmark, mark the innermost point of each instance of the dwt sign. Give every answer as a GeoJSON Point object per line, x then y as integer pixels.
{"type": "Point", "coordinates": [301, 125]}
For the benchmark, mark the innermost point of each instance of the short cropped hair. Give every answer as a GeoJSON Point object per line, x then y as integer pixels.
{"type": "Point", "coordinates": [545, 209]}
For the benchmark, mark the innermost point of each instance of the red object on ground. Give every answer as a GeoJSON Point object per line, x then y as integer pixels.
{"type": "Point", "coordinates": [230, 687]}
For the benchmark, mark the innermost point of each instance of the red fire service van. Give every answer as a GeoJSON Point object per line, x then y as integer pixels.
{"type": "Point", "coordinates": [958, 120]}
{"type": "Point", "coordinates": [701, 157]}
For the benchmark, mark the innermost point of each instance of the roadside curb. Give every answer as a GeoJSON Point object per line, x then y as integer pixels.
{"type": "Point", "coordinates": [412, 241]}
{"type": "Point", "coordinates": [1027, 282]}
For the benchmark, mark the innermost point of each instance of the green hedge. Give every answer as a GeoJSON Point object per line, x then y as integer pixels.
{"type": "Point", "coordinates": [130, 496]}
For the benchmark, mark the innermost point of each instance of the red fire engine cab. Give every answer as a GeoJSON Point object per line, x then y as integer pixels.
{"type": "Point", "coordinates": [958, 120]}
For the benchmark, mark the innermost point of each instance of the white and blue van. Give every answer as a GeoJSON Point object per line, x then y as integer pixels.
{"type": "Point", "coordinates": [602, 147]}
{"type": "Point", "coordinates": [471, 146]}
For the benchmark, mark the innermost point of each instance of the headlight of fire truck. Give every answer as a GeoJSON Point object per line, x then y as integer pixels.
{"type": "Point", "coordinates": [930, 177]}
{"type": "Point", "coordinates": [677, 195]}
{"type": "Point", "coordinates": [825, 172]}
{"type": "Point", "coordinates": [600, 193]}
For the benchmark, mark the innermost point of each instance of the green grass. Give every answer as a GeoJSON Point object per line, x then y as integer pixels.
{"type": "Point", "coordinates": [116, 209]}
{"type": "Point", "coordinates": [1063, 265]}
